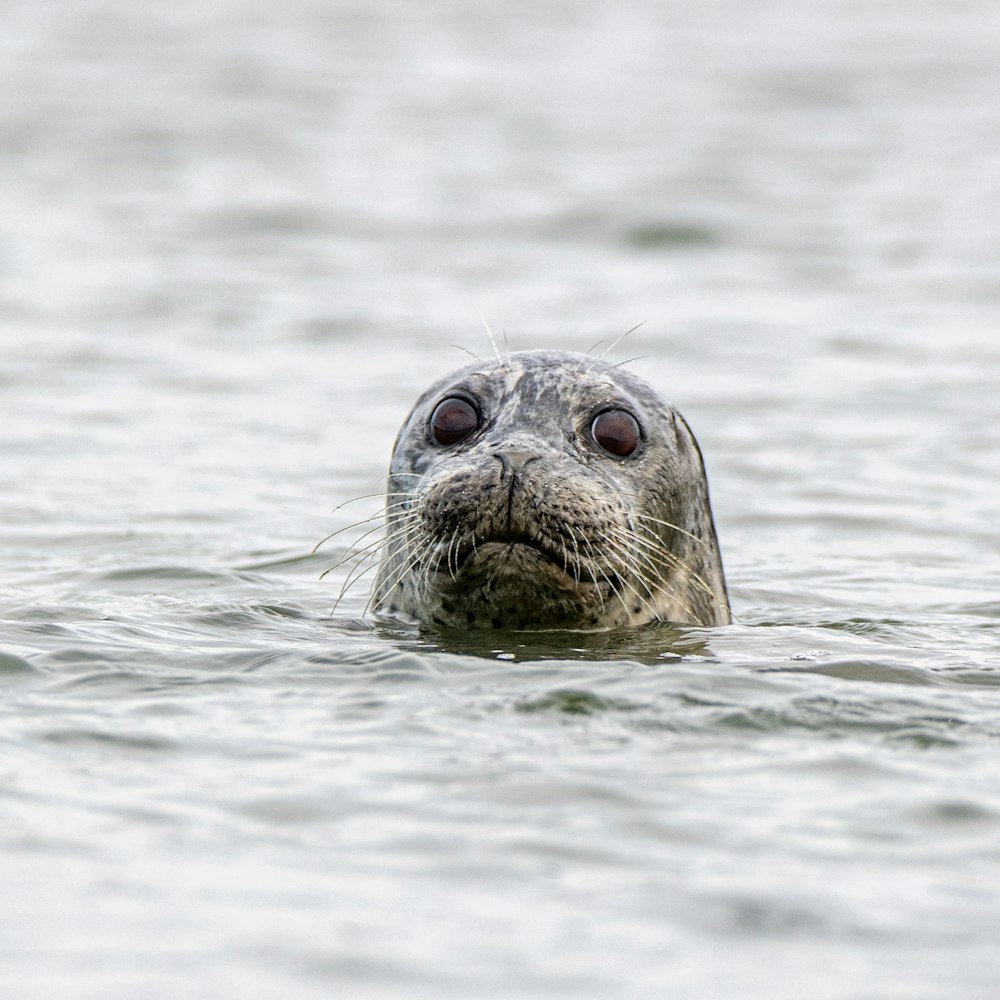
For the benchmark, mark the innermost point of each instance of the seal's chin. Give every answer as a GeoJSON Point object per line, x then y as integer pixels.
{"type": "Point", "coordinates": [517, 585]}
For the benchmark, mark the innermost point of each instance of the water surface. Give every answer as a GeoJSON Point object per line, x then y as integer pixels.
{"type": "Point", "coordinates": [237, 240]}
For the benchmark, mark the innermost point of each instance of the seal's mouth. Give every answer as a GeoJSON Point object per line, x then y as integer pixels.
{"type": "Point", "coordinates": [516, 553]}
{"type": "Point", "coordinates": [513, 540]}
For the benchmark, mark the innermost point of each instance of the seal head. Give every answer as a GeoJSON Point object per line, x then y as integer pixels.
{"type": "Point", "coordinates": [548, 490]}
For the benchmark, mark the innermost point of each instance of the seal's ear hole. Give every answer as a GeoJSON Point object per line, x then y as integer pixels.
{"type": "Point", "coordinates": [617, 432]}
{"type": "Point", "coordinates": [453, 420]}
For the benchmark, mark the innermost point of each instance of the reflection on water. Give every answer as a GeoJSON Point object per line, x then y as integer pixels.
{"type": "Point", "coordinates": [657, 642]}
{"type": "Point", "coordinates": [237, 239]}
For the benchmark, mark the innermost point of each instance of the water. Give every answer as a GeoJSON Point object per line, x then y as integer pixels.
{"type": "Point", "coordinates": [236, 240]}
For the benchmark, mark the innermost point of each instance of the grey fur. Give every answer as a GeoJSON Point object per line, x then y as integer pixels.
{"type": "Point", "coordinates": [529, 524]}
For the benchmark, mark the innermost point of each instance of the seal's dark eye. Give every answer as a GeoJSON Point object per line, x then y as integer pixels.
{"type": "Point", "coordinates": [453, 420]}
{"type": "Point", "coordinates": [617, 432]}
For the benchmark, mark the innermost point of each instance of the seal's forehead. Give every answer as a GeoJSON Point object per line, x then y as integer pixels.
{"type": "Point", "coordinates": [531, 372]}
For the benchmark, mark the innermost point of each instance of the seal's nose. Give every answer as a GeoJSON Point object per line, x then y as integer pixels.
{"type": "Point", "coordinates": [513, 458]}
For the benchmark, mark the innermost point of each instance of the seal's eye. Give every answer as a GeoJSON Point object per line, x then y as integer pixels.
{"type": "Point", "coordinates": [617, 432]}
{"type": "Point", "coordinates": [453, 420]}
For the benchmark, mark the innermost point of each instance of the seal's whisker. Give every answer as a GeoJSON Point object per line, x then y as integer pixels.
{"type": "Point", "coordinates": [631, 540]}
{"type": "Point", "coordinates": [614, 343]}
{"type": "Point", "coordinates": [627, 361]}
{"type": "Point", "coordinates": [358, 570]}
{"type": "Point", "coordinates": [604, 576]}
{"type": "Point", "coordinates": [577, 570]}
{"type": "Point", "coordinates": [378, 515]}
{"type": "Point", "coordinates": [670, 524]}
{"type": "Point", "coordinates": [395, 576]}
{"type": "Point", "coordinates": [358, 552]}
{"type": "Point", "coordinates": [406, 524]}
{"type": "Point", "coordinates": [652, 553]}
{"type": "Point", "coordinates": [674, 561]}
{"type": "Point", "coordinates": [348, 527]}
{"type": "Point", "coordinates": [475, 357]}
{"type": "Point", "coordinates": [593, 362]}
{"type": "Point", "coordinates": [489, 333]}
{"type": "Point", "coordinates": [447, 554]}
{"type": "Point", "coordinates": [646, 600]}
{"type": "Point", "coordinates": [352, 554]}
{"type": "Point", "coordinates": [414, 559]}
{"type": "Point", "coordinates": [379, 518]}
{"type": "Point", "coordinates": [353, 576]}
{"type": "Point", "coordinates": [617, 591]}
{"type": "Point", "coordinates": [674, 593]}
{"type": "Point", "coordinates": [626, 560]}
{"type": "Point", "coordinates": [371, 496]}
{"type": "Point", "coordinates": [452, 553]}
{"type": "Point", "coordinates": [638, 574]}
{"type": "Point", "coordinates": [654, 544]}
{"type": "Point", "coordinates": [608, 574]}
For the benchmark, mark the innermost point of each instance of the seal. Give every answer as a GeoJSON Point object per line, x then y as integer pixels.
{"type": "Point", "coordinates": [548, 490]}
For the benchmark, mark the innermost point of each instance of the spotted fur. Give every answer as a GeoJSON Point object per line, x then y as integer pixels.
{"type": "Point", "coordinates": [530, 524]}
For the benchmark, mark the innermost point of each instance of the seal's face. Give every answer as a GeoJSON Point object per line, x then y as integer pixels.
{"type": "Point", "coordinates": [548, 490]}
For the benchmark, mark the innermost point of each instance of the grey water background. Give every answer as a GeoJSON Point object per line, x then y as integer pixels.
{"type": "Point", "coordinates": [236, 240]}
